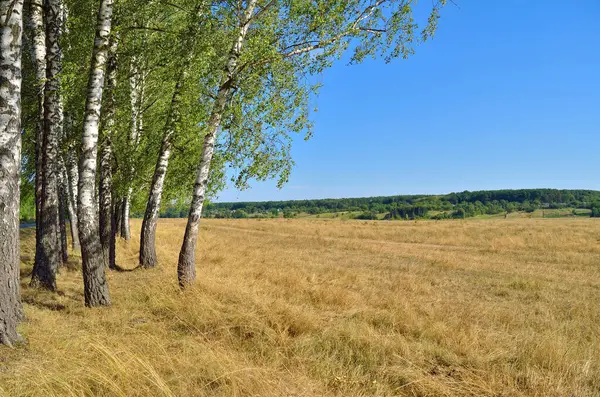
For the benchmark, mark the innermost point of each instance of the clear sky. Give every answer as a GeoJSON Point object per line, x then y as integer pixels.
{"type": "Point", "coordinates": [507, 95]}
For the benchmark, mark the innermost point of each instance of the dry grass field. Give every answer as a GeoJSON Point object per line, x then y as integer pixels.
{"type": "Point", "coordinates": [328, 308]}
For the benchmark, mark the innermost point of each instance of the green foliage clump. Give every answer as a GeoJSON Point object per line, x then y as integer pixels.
{"type": "Point", "coordinates": [596, 209]}
{"type": "Point", "coordinates": [239, 214]}
{"type": "Point", "coordinates": [369, 215]}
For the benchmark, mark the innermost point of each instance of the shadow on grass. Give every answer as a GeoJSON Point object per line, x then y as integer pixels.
{"type": "Point", "coordinates": [41, 300]}
{"type": "Point", "coordinates": [120, 269]}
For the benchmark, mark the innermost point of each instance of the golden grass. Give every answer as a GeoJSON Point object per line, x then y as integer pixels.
{"type": "Point", "coordinates": [328, 308]}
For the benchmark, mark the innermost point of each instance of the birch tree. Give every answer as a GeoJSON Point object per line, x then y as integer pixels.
{"type": "Point", "coordinates": [38, 56]}
{"type": "Point", "coordinates": [302, 38]}
{"type": "Point", "coordinates": [62, 209]}
{"type": "Point", "coordinates": [11, 30]}
{"type": "Point", "coordinates": [49, 259]}
{"type": "Point", "coordinates": [107, 234]}
{"type": "Point", "coordinates": [186, 267]}
{"type": "Point", "coordinates": [186, 57]}
{"type": "Point", "coordinates": [94, 277]}
{"type": "Point", "coordinates": [137, 81]}
{"type": "Point", "coordinates": [72, 178]}
{"type": "Point", "coordinates": [148, 235]}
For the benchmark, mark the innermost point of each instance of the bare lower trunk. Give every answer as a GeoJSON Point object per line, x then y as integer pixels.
{"type": "Point", "coordinates": [63, 191]}
{"type": "Point", "coordinates": [105, 199]}
{"type": "Point", "coordinates": [49, 259]}
{"type": "Point", "coordinates": [186, 267]}
{"type": "Point", "coordinates": [62, 210]}
{"type": "Point", "coordinates": [125, 209]}
{"type": "Point", "coordinates": [38, 52]}
{"type": "Point", "coordinates": [118, 214]}
{"type": "Point", "coordinates": [112, 248]}
{"type": "Point", "coordinates": [136, 82]}
{"type": "Point", "coordinates": [72, 175]}
{"type": "Point", "coordinates": [105, 188]}
{"type": "Point", "coordinates": [148, 234]}
{"type": "Point", "coordinates": [11, 29]}
{"type": "Point", "coordinates": [94, 276]}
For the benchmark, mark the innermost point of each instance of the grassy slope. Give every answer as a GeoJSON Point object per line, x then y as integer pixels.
{"type": "Point", "coordinates": [329, 308]}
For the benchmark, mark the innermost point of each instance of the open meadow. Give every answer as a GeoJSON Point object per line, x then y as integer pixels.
{"type": "Point", "coordinates": [503, 307]}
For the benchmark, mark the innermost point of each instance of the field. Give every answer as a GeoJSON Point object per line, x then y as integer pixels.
{"type": "Point", "coordinates": [501, 307]}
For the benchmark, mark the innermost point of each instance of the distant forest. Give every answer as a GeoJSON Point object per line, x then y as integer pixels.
{"type": "Point", "coordinates": [454, 205]}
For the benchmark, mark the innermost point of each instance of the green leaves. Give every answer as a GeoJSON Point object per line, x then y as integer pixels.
{"type": "Point", "coordinates": [287, 44]}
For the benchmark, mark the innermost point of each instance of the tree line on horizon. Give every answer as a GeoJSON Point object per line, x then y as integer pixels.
{"type": "Point", "coordinates": [111, 105]}
{"type": "Point", "coordinates": [446, 206]}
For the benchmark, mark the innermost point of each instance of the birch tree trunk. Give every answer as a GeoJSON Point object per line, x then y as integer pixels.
{"type": "Point", "coordinates": [105, 189]}
{"type": "Point", "coordinates": [72, 176]}
{"type": "Point", "coordinates": [125, 210]}
{"type": "Point", "coordinates": [62, 209]}
{"type": "Point", "coordinates": [148, 234]}
{"type": "Point", "coordinates": [46, 266]}
{"type": "Point", "coordinates": [11, 31]}
{"type": "Point", "coordinates": [136, 82]}
{"type": "Point", "coordinates": [118, 214]}
{"type": "Point", "coordinates": [38, 55]}
{"type": "Point", "coordinates": [112, 247]}
{"type": "Point", "coordinates": [94, 276]}
{"type": "Point", "coordinates": [105, 200]}
{"type": "Point", "coordinates": [61, 182]}
{"type": "Point", "coordinates": [186, 266]}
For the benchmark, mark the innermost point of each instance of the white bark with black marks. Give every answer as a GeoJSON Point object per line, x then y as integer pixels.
{"type": "Point", "coordinates": [62, 186]}
{"type": "Point", "coordinates": [148, 235]}
{"type": "Point", "coordinates": [94, 276]}
{"type": "Point", "coordinates": [125, 211]}
{"type": "Point", "coordinates": [62, 210]}
{"type": "Point", "coordinates": [72, 177]}
{"type": "Point", "coordinates": [186, 267]}
{"type": "Point", "coordinates": [112, 247]}
{"type": "Point", "coordinates": [11, 32]}
{"type": "Point", "coordinates": [118, 211]}
{"type": "Point", "coordinates": [37, 35]}
{"type": "Point", "coordinates": [49, 258]}
{"type": "Point", "coordinates": [106, 159]}
{"type": "Point", "coordinates": [136, 82]}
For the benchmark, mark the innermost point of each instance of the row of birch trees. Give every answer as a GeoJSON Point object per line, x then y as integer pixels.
{"type": "Point", "coordinates": [109, 105]}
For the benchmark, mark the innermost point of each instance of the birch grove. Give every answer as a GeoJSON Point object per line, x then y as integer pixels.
{"type": "Point", "coordinates": [173, 103]}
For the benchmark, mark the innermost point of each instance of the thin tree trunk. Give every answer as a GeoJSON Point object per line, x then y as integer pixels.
{"type": "Point", "coordinates": [148, 234]}
{"type": "Point", "coordinates": [136, 82]}
{"type": "Point", "coordinates": [105, 188]}
{"type": "Point", "coordinates": [105, 200]}
{"type": "Point", "coordinates": [11, 30]}
{"type": "Point", "coordinates": [118, 214]}
{"type": "Point", "coordinates": [72, 175]}
{"type": "Point", "coordinates": [38, 55]}
{"type": "Point", "coordinates": [125, 210]}
{"type": "Point", "coordinates": [112, 248]}
{"type": "Point", "coordinates": [44, 270]}
{"type": "Point", "coordinates": [186, 266]}
{"type": "Point", "coordinates": [62, 210]}
{"type": "Point", "coordinates": [62, 185]}
{"type": "Point", "coordinates": [94, 276]}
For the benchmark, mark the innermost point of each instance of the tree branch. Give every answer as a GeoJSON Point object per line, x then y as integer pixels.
{"type": "Point", "coordinates": [367, 12]}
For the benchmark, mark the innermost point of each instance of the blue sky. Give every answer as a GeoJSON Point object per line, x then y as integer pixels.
{"type": "Point", "coordinates": [507, 95]}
